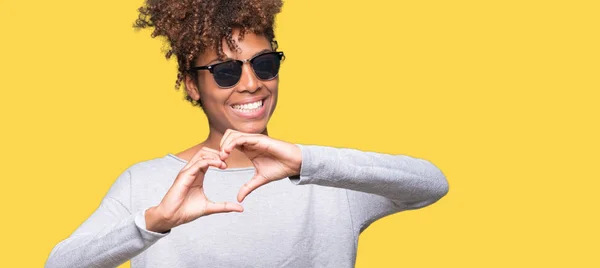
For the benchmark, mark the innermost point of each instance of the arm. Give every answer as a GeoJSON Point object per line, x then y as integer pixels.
{"type": "Point", "coordinates": [111, 236]}
{"type": "Point", "coordinates": [378, 184]}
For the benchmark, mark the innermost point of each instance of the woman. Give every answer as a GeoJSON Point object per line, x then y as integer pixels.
{"type": "Point", "coordinates": [308, 204]}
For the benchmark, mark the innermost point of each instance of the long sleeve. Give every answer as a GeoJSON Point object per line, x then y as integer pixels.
{"type": "Point", "coordinates": [377, 184]}
{"type": "Point", "coordinates": [111, 236]}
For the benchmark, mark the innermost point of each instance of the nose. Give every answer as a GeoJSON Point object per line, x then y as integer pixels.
{"type": "Point", "coordinates": [248, 82]}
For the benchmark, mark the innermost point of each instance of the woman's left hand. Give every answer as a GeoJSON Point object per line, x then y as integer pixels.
{"type": "Point", "coordinates": [273, 159]}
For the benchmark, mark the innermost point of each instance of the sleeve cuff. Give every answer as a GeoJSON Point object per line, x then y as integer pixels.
{"type": "Point", "coordinates": [305, 167]}
{"type": "Point", "coordinates": [140, 222]}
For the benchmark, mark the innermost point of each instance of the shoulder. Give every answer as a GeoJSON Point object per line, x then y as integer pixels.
{"type": "Point", "coordinates": [152, 174]}
{"type": "Point", "coordinates": [161, 164]}
{"type": "Point", "coordinates": [144, 177]}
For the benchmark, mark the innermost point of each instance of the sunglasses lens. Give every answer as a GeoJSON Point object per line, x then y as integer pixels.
{"type": "Point", "coordinates": [266, 66]}
{"type": "Point", "coordinates": [227, 74]}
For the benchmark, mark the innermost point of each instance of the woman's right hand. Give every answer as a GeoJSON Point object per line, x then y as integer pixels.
{"type": "Point", "coordinates": [185, 201]}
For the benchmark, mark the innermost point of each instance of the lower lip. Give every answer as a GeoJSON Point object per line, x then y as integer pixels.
{"type": "Point", "coordinates": [255, 114]}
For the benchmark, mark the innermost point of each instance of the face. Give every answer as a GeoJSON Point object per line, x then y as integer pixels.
{"type": "Point", "coordinates": [245, 107]}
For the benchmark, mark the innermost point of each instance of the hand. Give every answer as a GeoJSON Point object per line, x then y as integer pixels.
{"type": "Point", "coordinates": [273, 159]}
{"type": "Point", "coordinates": [185, 201]}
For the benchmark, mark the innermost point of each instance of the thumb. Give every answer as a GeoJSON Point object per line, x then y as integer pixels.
{"type": "Point", "coordinates": [248, 187]}
{"type": "Point", "coordinates": [222, 207]}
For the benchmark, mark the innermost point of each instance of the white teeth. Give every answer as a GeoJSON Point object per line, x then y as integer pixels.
{"type": "Point", "coordinates": [248, 107]}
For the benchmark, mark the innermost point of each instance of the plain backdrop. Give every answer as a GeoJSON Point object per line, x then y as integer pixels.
{"type": "Point", "coordinates": [501, 95]}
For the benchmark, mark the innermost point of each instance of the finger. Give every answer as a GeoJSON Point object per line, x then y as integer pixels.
{"type": "Point", "coordinates": [202, 154]}
{"type": "Point", "coordinates": [198, 164]}
{"type": "Point", "coordinates": [228, 140]}
{"type": "Point", "coordinates": [222, 164]}
{"type": "Point", "coordinates": [239, 141]}
{"type": "Point", "coordinates": [211, 153]}
{"type": "Point", "coordinates": [250, 186]}
{"type": "Point", "coordinates": [197, 156]}
{"type": "Point", "coordinates": [188, 176]}
{"type": "Point", "coordinates": [218, 163]}
{"type": "Point", "coordinates": [222, 207]}
{"type": "Point", "coordinates": [210, 150]}
{"type": "Point", "coordinates": [225, 135]}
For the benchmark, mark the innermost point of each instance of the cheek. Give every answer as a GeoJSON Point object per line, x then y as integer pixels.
{"type": "Point", "coordinates": [209, 91]}
{"type": "Point", "coordinates": [274, 90]}
{"type": "Point", "coordinates": [272, 86]}
{"type": "Point", "coordinates": [206, 82]}
{"type": "Point", "coordinates": [214, 99]}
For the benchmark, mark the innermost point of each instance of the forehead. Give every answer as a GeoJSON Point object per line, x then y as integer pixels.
{"type": "Point", "coordinates": [246, 48]}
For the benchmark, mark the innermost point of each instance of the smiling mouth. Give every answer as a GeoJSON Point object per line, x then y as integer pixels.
{"type": "Point", "coordinates": [249, 107]}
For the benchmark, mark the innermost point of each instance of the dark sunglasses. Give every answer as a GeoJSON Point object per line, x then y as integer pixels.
{"type": "Point", "coordinates": [228, 73]}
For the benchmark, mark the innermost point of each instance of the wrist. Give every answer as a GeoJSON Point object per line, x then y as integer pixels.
{"type": "Point", "coordinates": [155, 222]}
{"type": "Point", "coordinates": [297, 161]}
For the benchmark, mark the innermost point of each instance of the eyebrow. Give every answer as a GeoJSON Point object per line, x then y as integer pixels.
{"type": "Point", "coordinates": [255, 54]}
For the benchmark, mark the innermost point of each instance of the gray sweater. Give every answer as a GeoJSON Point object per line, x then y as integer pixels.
{"type": "Point", "coordinates": [312, 220]}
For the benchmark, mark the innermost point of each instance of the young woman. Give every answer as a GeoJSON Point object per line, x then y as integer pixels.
{"type": "Point", "coordinates": [309, 203]}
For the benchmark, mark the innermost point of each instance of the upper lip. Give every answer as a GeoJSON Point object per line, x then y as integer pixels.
{"type": "Point", "coordinates": [249, 100]}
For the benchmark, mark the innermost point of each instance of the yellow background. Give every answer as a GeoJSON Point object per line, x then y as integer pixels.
{"type": "Point", "coordinates": [500, 95]}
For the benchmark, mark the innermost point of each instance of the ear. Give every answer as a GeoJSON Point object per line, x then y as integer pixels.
{"type": "Point", "coordinates": [191, 87]}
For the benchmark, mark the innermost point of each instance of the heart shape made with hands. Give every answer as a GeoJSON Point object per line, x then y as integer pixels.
{"type": "Point", "coordinates": [185, 200]}
{"type": "Point", "coordinates": [273, 159]}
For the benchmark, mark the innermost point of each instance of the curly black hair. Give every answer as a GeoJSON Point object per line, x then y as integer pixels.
{"type": "Point", "coordinates": [192, 26]}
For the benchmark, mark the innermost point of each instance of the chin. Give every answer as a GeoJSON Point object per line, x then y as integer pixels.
{"type": "Point", "coordinates": [251, 127]}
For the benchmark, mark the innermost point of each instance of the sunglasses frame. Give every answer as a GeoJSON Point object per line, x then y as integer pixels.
{"type": "Point", "coordinates": [211, 67]}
